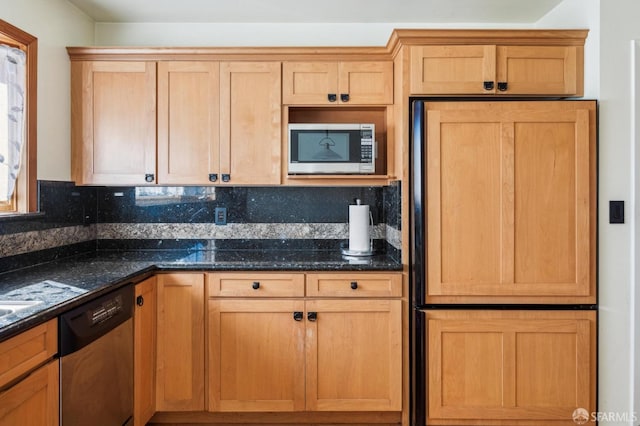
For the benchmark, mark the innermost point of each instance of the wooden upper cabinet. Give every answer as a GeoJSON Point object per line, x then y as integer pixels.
{"type": "Point", "coordinates": [511, 200]}
{"type": "Point", "coordinates": [337, 83]}
{"type": "Point", "coordinates": [188, 122]}
{"type": "Point", "coordinates": [250, 117]}
{"type": "Point", "coordinates": [113, 110]}
{"type": "Point", "coordinates": [509, 367]}
{"type": "Point", "coordinates": [496, 70]}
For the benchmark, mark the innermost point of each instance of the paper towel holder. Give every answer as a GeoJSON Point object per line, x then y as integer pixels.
{"type": "Point", "coordinates": [348, 252]}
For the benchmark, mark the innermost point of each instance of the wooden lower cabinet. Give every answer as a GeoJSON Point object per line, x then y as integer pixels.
{"type": "Point", "coordinates": [181, 350]}
{"type": "Point", "coordinates": [256, 358]}
{"type": "Point", "coordinates": [509, 367]}
{"type": "Point", "coordinates": [33, 401]}
{"type": "Point", "coordinates": [292, 355]}
{"type": "Point", "coordinates": [354, 355]}
{"type": "Point", "coordinates": [144, 352]}
{"type": "Point", "coordinates": [29, 377]}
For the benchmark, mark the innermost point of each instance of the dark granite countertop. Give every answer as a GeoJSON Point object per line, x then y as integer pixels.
{"type": "Point", "coordinates": [64, 284]}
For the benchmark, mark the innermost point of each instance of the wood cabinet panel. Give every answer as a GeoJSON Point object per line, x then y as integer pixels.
{"type": "Point", "coordinates": [250, 118]}
{"type": "Point", "coordinates": [354, 355]}
{"type": "Point", "coordinates": [496, 70]}
{"type": "Point", "coordinates": [258, 284]}
{"type": "Point", "coordinates": [144, 352]}
{"type": "Point", "coordinates": [33, 401]}
{"type": "Point", "coordinates": [181, 351]}
{"type": "Point", "coordinates": [256, 362]}
{"type": "Point", "coordinates": [188, 121]}
{"type": "Point", "coordinates": [533, 70]}
{"type": "Point", "coordinates": [452, 69]}
{"type": "Point", "coordinates": [114, 122]}
{"type": "Point", "coordinates": [511, 195]}
{"type": "Point", "coordinates": [28, 350]}
{"type": "Point", "coordinates": [337, 83]}
{"type": "Point", "coordinates": [354, 285]}
{"type": "Point", "coordinates": [487, 367]}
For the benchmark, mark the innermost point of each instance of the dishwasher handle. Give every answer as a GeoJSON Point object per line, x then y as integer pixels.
{"type": "Point", "coordinates": [92, 320]}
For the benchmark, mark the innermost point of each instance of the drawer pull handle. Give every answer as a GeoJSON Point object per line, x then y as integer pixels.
{"type": "Point", "coordinates": [354, 285]}
{"type": "Point", "coordinates": [332, 97]}
{"type": "Point", "coordinates": [255, 285]}
{"type": "Point", "coordinates": [344, 97]}
{"type": "Point", "coordinates": [139, 300]}
{"type": "Point", "coordinates": [502, 86]}
{"type": "Point", "coordinates": [297, 316]}
{"type": "Point", "coordinates": [488, 85]}
{"type": "Point", "coordinates": [312, 316]}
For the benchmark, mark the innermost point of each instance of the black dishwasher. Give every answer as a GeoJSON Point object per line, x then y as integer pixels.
{"type": "Point", "coordinates": [96, 361]}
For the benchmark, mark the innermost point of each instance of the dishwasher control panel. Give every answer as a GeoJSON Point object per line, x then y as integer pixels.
{"type": "Point", "coordinates": [106, 310]}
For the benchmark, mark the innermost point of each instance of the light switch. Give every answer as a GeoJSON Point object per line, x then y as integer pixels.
{"type": "Point", "coordinates": [616, 211]}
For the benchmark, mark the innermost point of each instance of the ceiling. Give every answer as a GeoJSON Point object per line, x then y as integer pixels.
{"type": "Point", "coordinates": [317, 11]}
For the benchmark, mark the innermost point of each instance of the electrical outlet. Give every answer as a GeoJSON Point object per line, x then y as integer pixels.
{"type": "Point", "coordinates": [220, 216]}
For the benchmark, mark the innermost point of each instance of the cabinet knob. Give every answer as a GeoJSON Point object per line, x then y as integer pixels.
{"type": "Point", "coordinates": [502, 86]}
{"type": "Point", "coordinates": [488, 85]}
{"type": "Point", "coordinates": [149, 177]}
{"type": "Point", "coordinates": [312, 316]}
{"type": "Point", "coordinates": [226, 178]}
{"type": "Point", "coordinates": [332, 97]}
{"type": "Point", "coordinates": [255, 285]}
{"type": "Point", "coordinates": [139, 300]}
{"type": "Point", "coordinates": [354, 285]}
{"type": "Point", "coordinates": [297, 316]}
{"type": "Point", "coordinates": [213, 177]}
{"type": "Point", "coordinates": [344, 97]}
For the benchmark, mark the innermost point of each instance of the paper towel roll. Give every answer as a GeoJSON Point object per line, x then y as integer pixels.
{"type": "Point", "coordinates": [359, 228]}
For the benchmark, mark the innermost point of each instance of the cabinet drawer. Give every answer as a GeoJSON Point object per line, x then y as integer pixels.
{"type": "Point", "coordinates": [27, 350]}
{"type": "Point", "coordinates": [259, 284]}
{"type": "Point", "coordinates": [355, 285]}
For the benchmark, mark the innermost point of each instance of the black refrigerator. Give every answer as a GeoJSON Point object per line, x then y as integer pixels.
{"type": "Point", "coordinates": [569, 298]}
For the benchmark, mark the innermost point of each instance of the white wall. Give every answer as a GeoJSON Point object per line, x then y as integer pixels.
{"type": "Point", "coordinates": [619, 25]}
{"type": "Point", "coordinates": [253, 34]}
{"type": "Point", "coordinates": [581, 14]}
{"type": "Point", "coordinates": [56, 24]}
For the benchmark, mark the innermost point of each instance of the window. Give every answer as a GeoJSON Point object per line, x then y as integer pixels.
{"type": "Point", "coordinates": [23, 198]}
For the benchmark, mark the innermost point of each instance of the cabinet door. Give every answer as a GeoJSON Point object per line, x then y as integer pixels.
{"type": "Point", "coordinates": [180, 358]}
{"type": "Point", "coordinates": [256, 357]}
{"type": "Point", "coordinates": [309, 83]}
{"type": "Point", "coordinates": [365, 83]}
{"type": "Point", "coordinates": [250, 116]}
{"type": "Point", "coordinates": [487, 367]}
{"type": "Point", "coordinates": [113, 122]}
{"type": "Point", "coordinates": [144, 352]}
{"type": "Point", "coordinates": [453, 70]}
{"type": "Point", "coordinates": [540, 70]}
{"type": "Point", "coordinates": [188, 122]}
{"type": "Point", "coordinates": [34, 400]}
{"type": "Point", "coordinates": [510, 190]}
{"type": "Point", "coordinates": [354, 355]}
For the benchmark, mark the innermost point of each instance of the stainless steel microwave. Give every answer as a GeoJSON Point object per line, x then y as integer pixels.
{"type": "Point", "coordinates": [331, 148]}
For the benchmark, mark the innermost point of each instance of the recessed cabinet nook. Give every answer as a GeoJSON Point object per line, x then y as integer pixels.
{"type": "Point", "coordinates": [314, 347]}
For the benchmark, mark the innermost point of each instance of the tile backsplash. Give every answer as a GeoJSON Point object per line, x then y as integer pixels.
{"type": "Point", "coordinates": [77, 219]}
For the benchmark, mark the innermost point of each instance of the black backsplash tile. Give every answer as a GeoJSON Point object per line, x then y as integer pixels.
{"type": "Point", "coordinates": [243, 204]}
{"type": "Point", "coordinates": [60, 204]}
